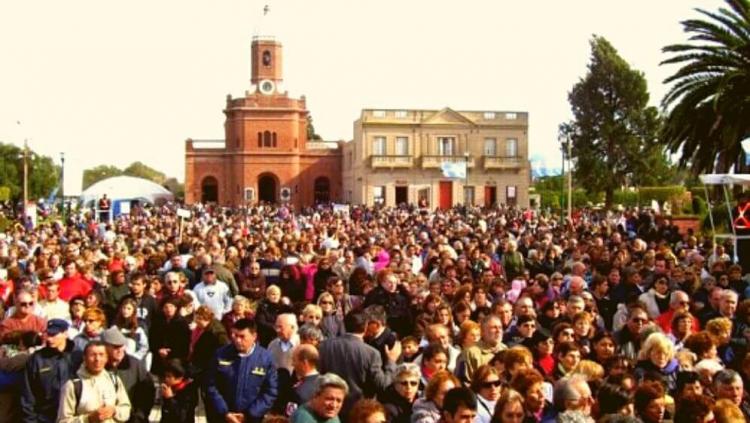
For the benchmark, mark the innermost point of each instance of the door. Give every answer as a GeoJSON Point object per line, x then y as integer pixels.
{"type": "Point", "coordinates": [490, 196]}
{"type": "Point", "coordinates": [402, 195]}
{"type": "Point", "coordinates": [446, 194]}
{"type": "Point", "coordinates": [267, 188]}
{"type": "Point", "coordinates": [209, 190]}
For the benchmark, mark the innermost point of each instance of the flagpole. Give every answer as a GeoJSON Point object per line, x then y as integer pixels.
{"type": "Point", "coordinates": [466, 178]}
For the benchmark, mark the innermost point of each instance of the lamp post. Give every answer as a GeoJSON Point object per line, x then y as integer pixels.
{"type": "Point", "coordinates": [62, 184]}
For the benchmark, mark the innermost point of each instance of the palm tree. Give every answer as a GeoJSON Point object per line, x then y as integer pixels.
{"type": "Point", "coordinates": [708, 105]}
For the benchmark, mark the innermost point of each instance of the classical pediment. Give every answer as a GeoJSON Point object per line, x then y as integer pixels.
{"type": "Point", "coordinates": [447, 116]}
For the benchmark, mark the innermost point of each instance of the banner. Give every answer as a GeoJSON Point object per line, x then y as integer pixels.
{"type": "Point", "coordinates": [455, 170]}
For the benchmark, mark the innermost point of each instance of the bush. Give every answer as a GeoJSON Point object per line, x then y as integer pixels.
{"type": "Point", "coordinates": [4, 193]}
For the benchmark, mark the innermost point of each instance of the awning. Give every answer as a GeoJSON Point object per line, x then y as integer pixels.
{"type": "Point", "coordinates": [725, 179]}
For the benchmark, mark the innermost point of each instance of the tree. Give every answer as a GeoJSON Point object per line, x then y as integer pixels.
{"type": "Point", "coordinates": [98, 173]}
{"type": "Point", "coordinates": [311, 134]}
{"type": "Point", "coordinates": [613, 131]}
{"type": "Point", "coordinates": [708, 104]}
{"type": "Point", "coordinates": [140, 170]}
{"type": "Point", "coordinates": [175, 187]}
{"type": "Point", "coordinates": [42, 172]}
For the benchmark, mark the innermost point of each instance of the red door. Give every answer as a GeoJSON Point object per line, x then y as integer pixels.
{"type": "Point", "coordinates": [446, 194]}
{"type": "Point", "coordinates": [490, 196]}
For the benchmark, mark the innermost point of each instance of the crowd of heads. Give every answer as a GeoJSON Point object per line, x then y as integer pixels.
{"type": "Point", "coordinates": [498, 314]}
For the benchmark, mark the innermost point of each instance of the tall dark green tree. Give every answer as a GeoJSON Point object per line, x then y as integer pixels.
{"type": "Point", "coordinates": [613, 131]}
{"type": "Point", "coordinates": [44, 175]}
{"type": "Point", "coordinates": [708, 104]}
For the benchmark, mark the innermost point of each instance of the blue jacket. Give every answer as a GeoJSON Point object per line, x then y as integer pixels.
{"type": "Point", "coordinates": [46, 372]}
{"type": "Point", "coordinates": [235, 384]}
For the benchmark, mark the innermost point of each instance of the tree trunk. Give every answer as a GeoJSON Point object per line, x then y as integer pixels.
{"type": "Point", "coordinates": [609, 197]}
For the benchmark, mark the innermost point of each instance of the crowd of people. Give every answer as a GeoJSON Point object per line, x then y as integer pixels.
{"type": "Point", "coordinates": [371, 315]}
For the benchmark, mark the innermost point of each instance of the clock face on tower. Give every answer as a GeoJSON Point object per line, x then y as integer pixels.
{"type": "Point", "coordinates": [266, 86]}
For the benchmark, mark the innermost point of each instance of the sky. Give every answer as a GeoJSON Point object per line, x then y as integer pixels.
{"type": "Point", "coordinates": [115, 82]}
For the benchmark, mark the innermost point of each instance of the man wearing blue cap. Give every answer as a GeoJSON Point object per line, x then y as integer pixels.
{"type": "Point", "coordinates": [46, 372]}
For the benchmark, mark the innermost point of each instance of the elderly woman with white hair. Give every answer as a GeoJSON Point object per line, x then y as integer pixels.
{"type": "Point", "coordinates": [325, 405]}
{"type": "Point", "coordinates": [657, 356]}
{"type": "Point", "coordinates": [513, 261]}
{"type": "Point", "coordinates": [399, 397]}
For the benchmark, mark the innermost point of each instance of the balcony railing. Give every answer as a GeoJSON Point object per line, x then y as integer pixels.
{"type": "Point", "coordinates": [502, 162]}
{"type": "Point", "coordinates": [434, 161]}
{"type": "Point", "coordinates": [390, 162]}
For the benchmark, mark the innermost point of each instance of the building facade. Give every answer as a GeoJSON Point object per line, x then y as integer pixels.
{"type": "Point", "coordinates": [396, 156]}
{"type": "Point", "coordinates": [265, 155]}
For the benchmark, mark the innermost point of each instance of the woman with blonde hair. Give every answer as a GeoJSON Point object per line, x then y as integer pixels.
{"type": "Point", "coordinates": [657, 356]}
{"type": "Point", "coordinates": [469, 334]}
{"type": "Point", "coordinates": [427, 409]}
{"type": "Point", "coordinates": [509, 408]}
{"type": "Point", "coordinates": [720, 332]}
{"type": "Point", "coordinates": [94, 323]}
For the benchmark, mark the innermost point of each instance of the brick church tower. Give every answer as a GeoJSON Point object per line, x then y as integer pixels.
{"type": "Point", "coordinates": [265, 155]}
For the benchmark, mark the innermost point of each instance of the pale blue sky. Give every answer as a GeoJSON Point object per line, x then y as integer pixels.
{"type": "Point", "coordinates": [110, 83]}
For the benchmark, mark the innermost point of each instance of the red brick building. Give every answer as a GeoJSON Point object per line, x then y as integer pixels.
{"type": "Point", "coordinates": [265, 155]}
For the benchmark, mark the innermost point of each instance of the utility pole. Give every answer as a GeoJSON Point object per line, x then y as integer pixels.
{"type": "Point", "coordinates": [562, 179]}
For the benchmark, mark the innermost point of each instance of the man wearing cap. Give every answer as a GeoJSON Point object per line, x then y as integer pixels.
{"type": "Point", "coordinates": [213, 293]}
{"type": "Point", "coordinates": [46, 372]}
{"type": "Point", "coordinates": [132, 371]}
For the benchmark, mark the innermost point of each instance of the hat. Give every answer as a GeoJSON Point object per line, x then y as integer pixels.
{"type": "Point", "coordinates": [114, 337]}
{"type": "Point", "coordinates": [56, 326]}
{"type": "Point", "coordinates": [209, 269]}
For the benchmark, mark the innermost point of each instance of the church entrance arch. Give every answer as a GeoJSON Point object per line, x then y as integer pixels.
{"type": "Point", "coordinates": [267, 188]}
{"type": "Point", "coordinates": [209, 190]}
{"type": "Point", "coordinates": [322, 190]}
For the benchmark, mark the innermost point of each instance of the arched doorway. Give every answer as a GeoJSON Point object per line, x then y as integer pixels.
{"type": "Point", "coordinates": [209, 190]}
{"type": "Point", "coordinates": [322, 190]}
{"type": "Point", "coordinates": [267, 188]}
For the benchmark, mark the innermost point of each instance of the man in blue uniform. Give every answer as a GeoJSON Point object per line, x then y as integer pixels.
{"type": "Point", "coordinates": [241, 381]}
{"type": "Point", "coordinates": [46, 372]}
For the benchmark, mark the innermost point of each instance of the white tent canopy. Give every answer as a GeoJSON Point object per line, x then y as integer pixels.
{"type": "Point", "coordinates": [725, 179]}
{"type": "Point", "coordinates": [126, 188]}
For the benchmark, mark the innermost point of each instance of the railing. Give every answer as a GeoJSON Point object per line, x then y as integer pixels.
{"type": "Point", "coordinates": [435, 161]}
{"type": "Point", "coordinates": [390, 161]}
{"type": "Point", "coordinates": [502, 162]}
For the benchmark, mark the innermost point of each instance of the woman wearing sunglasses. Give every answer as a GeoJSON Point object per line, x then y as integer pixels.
{"type": "Point", "coordinates": [400, 396]}
{"type": "Point", "coordinates": [487, 385]}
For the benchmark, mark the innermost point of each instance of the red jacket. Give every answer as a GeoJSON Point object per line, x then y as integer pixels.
{"type": "Point", "coordinates": [74, 286]}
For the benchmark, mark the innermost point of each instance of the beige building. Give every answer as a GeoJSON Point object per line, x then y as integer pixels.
{"type": "Point", "coordinates": [396, 157]}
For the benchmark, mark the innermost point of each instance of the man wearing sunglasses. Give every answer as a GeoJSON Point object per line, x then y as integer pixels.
{"type": "Point", "coordinates": [23, 318]}
{"type": "Point", "coordinates": [628, 338]}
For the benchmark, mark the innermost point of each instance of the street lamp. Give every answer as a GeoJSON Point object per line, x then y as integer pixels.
{"type": "Point", "coordinates": [62, 184]}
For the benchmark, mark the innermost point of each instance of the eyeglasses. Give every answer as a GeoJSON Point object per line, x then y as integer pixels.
{"type": "Point", "coordinates": [326, 303]}
{"type": "Point", "coordinates": [492, 384]}
{"type": "Point", "coordinates": [408, 383]}
{"type": "Point", "coordinates": [90, 321]}
{"type": "Point", "coordinates": [26, 304]}
{"type": "Point", "coordinates": [639, 321]}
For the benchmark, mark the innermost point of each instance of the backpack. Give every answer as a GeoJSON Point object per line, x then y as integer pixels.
{"type": "Point", "coordinates": [78, 387]}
